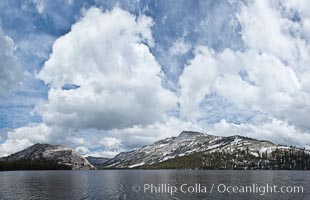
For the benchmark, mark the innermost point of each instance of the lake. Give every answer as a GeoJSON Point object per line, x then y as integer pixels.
{"type": "Point", "coordinates": [155, 184]}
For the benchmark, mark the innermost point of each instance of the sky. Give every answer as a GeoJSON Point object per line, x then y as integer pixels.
{"type": "Point", "coordinates": [105, 76]}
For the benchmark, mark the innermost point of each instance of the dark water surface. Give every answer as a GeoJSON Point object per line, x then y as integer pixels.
{"type": "Point", "coordinates": [137, 184]}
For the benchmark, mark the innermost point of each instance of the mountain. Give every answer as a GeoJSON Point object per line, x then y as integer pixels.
{"type": "Point", "coordinates": [97, 161]}
{"type": "Point", "coordinates": [190, 150]}
{"type": "Point", "coordinates": [197, 147]}
{"type": "Point", "coordinates": [46, 156]}
{"type": "Point", "coordinates": [280, 159]}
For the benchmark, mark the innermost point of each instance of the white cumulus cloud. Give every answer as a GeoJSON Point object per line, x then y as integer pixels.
{"type": "Point", "coordinates": [107, 56]}
{"type": "Point", "coordinates": [270, 75]}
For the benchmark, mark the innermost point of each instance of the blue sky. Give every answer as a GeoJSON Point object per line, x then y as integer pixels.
{"type": "Point", "coordinates": [223, 67]}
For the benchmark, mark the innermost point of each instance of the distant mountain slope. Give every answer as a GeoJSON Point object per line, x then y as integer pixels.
{"type": "Point", "coordinates": [46, 154]}
{"type": "Point", "coordinates": [279, 159]}
{"type": "Point", "coordinates": [97, 161]}
{"type": "Point", "coordinates": [190, 143]}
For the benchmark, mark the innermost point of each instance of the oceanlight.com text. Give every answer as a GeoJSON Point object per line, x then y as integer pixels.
{"type": "Point", "coordinates": [221, 188]}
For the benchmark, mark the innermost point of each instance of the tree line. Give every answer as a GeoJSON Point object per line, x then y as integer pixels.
{"type": "Point", "coordinates": [291, 158]}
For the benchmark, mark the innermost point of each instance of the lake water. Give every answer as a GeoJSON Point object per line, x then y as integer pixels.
{"type": "Point", "coordinates": [155, 184]}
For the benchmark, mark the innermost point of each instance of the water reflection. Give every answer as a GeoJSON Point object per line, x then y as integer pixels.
{"type": "Point", "coordinates": [118, 184]}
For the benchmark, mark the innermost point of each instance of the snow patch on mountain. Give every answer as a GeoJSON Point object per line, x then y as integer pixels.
{"type": "Point", "coordinates": [187, 143]}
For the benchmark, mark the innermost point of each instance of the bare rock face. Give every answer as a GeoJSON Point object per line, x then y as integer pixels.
{"type": "Point", "coordinates": [59, 154]}
{"type": "Point", "coordinates": [187, 143]}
